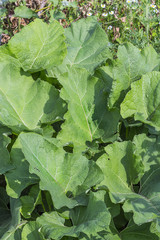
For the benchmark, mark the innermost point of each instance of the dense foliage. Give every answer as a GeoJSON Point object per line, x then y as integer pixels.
{"type": "Point", "coordinates": [80, 136]}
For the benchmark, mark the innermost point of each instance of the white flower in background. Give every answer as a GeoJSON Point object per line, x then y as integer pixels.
{"type": "Point", "coordinates": [104, 14]}
{"type": "Point", "coordinates": [156, 10]}
{"type": "Point", "coordinates": [65, 3]}
{"type": "Point", "coordinates": [135, 1]}
{"type": "Point", "coordinates": [153, 6]}
{"type": "Point", "coordinates": [89, 14]}
{"type": "Point", "coordinates": [2, 2]}
{"type": "Point", "coordinates": [111, 13]}
{"type": "Point", "coordinates": [110, 27]}
{"type": "Point", "coordinates": [103, 5]}
{"type": "Point", "coordinates": [129, 1]}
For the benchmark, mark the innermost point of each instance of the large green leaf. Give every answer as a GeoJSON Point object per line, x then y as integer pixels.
{"type": "Point", "coordinates": [105, 75]}
{"type": "Point", "coordinates": [29, 201]}
{"type": "Point", "coordinates": [19, 177]}
{"type": "Point", "coordinates": [5, 163]}
{"type": "Point", "coordinates": [39, 45]}
{"type": "Point", "coordinates": [143, 100]}
{"type": "Point", "coordinates": [12, 223]}
{"type": "Point", "coordinates": [30, 232]}
{"type": "Point", "coordinates": [147, 208]}
{"type": "Point", "coordinates": [114, 209]}
{"type": "Point", "coordinates": [24, 12]}
{"type": "Point", "coordinates": [122, 167]}
{"type": "Point", "coordinates": [135, 232]}
{"type": "Point", "coordinates": [129, 67]}
{"type": "Point", "coordinates": [87, 46]}
{"type": "Point", "coordinates": [87, 221]}
{"type": "Point", "coordinates": [59, 172]}
{"type": "Point", "coordinates": [121, 170]}
{"type": "Point", "coordinates": [147, 149]}
{"type": "Point", "coordinates": [94, 218]}
{"type": "Point", "coordinates": [5, 216]}
{"type": "Point", "coordinates": [109, 231]}
{"type": "Point", "coordinates": [145, 205]}
{"type": "Point", "coordinates": [88, 117]}
{"type": "Point", "coordinates": [14, 233]}
{"type": "Point", "coordinates": [52, 226]}
{"type": "Point", "coordinates": [24, 103]}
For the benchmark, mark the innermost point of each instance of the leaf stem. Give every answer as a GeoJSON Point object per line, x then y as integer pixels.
{"type": "Point", "coordinates": [44, 8]}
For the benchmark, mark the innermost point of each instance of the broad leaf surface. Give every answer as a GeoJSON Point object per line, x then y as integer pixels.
{"type": "Point", "coordinates": [52, 226]}
{"type": "Point", "coordinates": [143, 100]}
{"type": "Point", "coordinates": [5, 216]}
{"type": "Point", "coordinates": [135, 232]}
{"type": "Point", "coordinates": [88, 117]}
{"type": "Point", "coordinates": [120, 170]}
{"type": "Point", "coordinates": [59, 172]}
{"type": "Point", "coordinates": [147, 208]}
{"type": "Point", "coordinates": [108, 232]}
{"type": "Point", "coordinates": [105, 75]}
{"type": "Point", "coordinates": [49, 50]}
{"type": "Point", "coordinates": [12, 223]}
{"type": "Point", "coordinates": [129, 67]}
{"type": "Point", "coordinates": [30, 201]}
{"type": "Point", "coordinates": [30, 232]}
{"type": "Point", "coordinates": [122, 167]}
{"type": "Point", "coordinates": [19, 177]}
{"type": "Point", "coordinates": [24, 12]}
{"type": "Point", "coordinates": [90, 220]}
{"type": "Point", "coordinates": [24, 103]}
{"type": "Point", "coordinates": [5, 163]}
{"type": "Point", "coordinates": [87, 46]}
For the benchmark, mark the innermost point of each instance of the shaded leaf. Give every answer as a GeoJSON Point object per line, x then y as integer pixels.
{"type": "Point", "coordinates": [5, 163]}
{"type": "Point", "coordinates": [19, 178]}
{"type": "Point", "coordinates": [12, 223]}
{"type": "Point", "coordinates": [29, 201]}
{"type": "Point", "coordinates": [87, 220]}
{"type": "Point", "coordinates": [129, 67]}
{"type": "Point", "coordinates": [88, 117]}
{"type": "Point", "coordinates": [147, 208]}
{"type": "Point", "coordinates": [120, 169]}
{"type": "Point", "coordinates": [143, 100]}
{"type": "Point", "coordinates": [30, 232]}
{"type": "Point", "coordinates": [134, 232]}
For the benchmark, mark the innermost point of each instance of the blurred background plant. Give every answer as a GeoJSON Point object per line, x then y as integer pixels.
{"type": "Point", "coordinates": [135, 21]}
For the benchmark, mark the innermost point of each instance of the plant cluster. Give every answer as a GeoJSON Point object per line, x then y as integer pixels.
{"type": "Point", "coordinates": [80, 136]}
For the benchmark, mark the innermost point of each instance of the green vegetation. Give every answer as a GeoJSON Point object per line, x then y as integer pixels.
{"type": "Point", "coordinates": [79, 124]}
